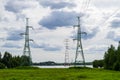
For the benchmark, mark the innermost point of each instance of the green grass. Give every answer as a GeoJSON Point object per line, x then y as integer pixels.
{"type": "Point", "coordinates": [58, 74]}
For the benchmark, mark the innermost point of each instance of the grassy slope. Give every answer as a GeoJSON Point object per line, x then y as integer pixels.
{"type": "Point", "coordinates": [59, 74]}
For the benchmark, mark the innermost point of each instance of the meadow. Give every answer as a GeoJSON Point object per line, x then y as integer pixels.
{"type": "Point", "coordinates": [58, 74]}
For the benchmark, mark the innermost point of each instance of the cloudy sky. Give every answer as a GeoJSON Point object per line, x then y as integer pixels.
{"type": "Point", "coordinates": [53, 22]}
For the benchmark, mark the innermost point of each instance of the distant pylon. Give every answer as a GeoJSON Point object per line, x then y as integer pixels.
{"type": "Point", "coordinates": [79, 49]}
{"type": "Point", "coordinates": [66, 52]}
{"type": "Point", "coordinates": [26, 50]}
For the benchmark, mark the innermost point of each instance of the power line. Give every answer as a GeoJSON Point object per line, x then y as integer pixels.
{"type": "Point", "coordinates": [85, 5]}
{"type": "Point", "coordinates": [110, 16]}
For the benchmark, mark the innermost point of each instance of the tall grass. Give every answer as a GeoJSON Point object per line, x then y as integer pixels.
{"type": "Point", "coordinates": [58, 74]}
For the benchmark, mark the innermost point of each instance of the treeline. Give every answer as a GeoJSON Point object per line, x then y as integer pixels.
{"type": "Point", "coordinates": [9, 61]}
{"type": "Point", "coordinates": [52, 63]}
{"type": "Point", "coordinates": [111, 59]}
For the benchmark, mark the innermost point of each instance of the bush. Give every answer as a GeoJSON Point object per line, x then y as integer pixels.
{"type": "Point", "coordinates": [98, 63]}
{"type": "Point", "coordinates": [2, 66]}
{"type": "Point", "coordinates": [95, 64]}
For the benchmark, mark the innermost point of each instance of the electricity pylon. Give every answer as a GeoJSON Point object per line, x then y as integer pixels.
{"type": "Point", "coordinates": [66, 52]}
{"type": "Point", "coordinates": [79, 49]}
{"type": "Point", "coordinates": [119, 43]}
{"type": "Point", "coordinates": [26, 51]}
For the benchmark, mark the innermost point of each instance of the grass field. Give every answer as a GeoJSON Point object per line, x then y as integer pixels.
{"type": "Point", "coordinates": [58, 74]}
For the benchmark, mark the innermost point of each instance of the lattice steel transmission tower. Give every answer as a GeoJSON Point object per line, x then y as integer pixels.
{"type": "Point", "coordinates": [26, 50]}
{"type": "Point", "coordinates": [66, 52]}
{"type": "Point", "coordinates": [119, 43]}
{"type": "Point", "coordinates": [79, 48]}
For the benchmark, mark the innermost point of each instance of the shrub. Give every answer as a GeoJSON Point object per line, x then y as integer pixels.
{"type": "Point", "coordinates": [98, 63]}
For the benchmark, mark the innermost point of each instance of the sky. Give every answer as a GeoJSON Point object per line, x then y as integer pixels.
{"type": "Point", "coordinates": [53, 21]}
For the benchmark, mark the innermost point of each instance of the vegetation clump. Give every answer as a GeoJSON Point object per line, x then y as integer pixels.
{"type": "Point", "coordinates": [98, 63]}
{"type": "Point", "coordinates": [111, 59]}
{"type": "Point", "coordinates": [2, 66]}
{"type": "Point", "coordinates": [26, 67]}
{"type": "Point", "coordinates": [78, 67]}
{"type": "Point", "coordinates": [9, 61]}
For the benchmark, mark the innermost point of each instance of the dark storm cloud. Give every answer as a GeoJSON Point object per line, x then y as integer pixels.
{"type": "Point", "coordinates": [56, 5]}
{"type": "Point", "coordinates": [59, 19]}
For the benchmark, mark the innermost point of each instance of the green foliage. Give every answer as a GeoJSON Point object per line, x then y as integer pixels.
{"type": "Point", "coordinates": [98, 63]}
{"type": "Point", "coordinates": [79, 67]}
{"type": "Point", "coordinates": [7, 60]}
{"type": "Point", "coordinates": [14, 61]}
{"type": "Point", "coordinates": [2, 66]}
{"type": "Point", "coordinates": [26, 67]}
{"type": "Point", "coordinates": [116, 66]}
{"type": "Point", "coordinates": [0, 57]}
{"type": "Point", "coordinates": [95, 64]}
{"type": "Point", "coordinates": [25, 61]}
{"type": "Point", "coordinates": [112, 58]}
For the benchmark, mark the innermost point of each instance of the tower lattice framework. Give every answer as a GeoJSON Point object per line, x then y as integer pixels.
{"type": "Point", "coordinates": [79, 48]}
{"type": "Point", "coordinates": [26, 50]}
{"type": "Point", "coordinates": [66, 52]}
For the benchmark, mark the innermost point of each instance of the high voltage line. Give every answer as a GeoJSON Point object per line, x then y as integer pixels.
{"type": "Point", "coordinates": [85, 5]}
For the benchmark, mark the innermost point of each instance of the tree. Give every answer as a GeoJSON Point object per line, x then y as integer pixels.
{"type": "Point", "coordinates": [110, 57]}
{"type": "Point", "coordinates": [116, 66]}
{"type": "Point", "coordinates": [98, 63]}
{"type": "Point", "coordinates": [0, 57]}
{"type": "Point", "coordinates": [2, 66]}
{"type": "Point", "coordinates": [16, 61]}
{"type": "Point", "coordinates": [118, 54]}
{"type": "Point", "coordinates": [7, 59]}
{"type": "Point", "coordinates": [95, 63]}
